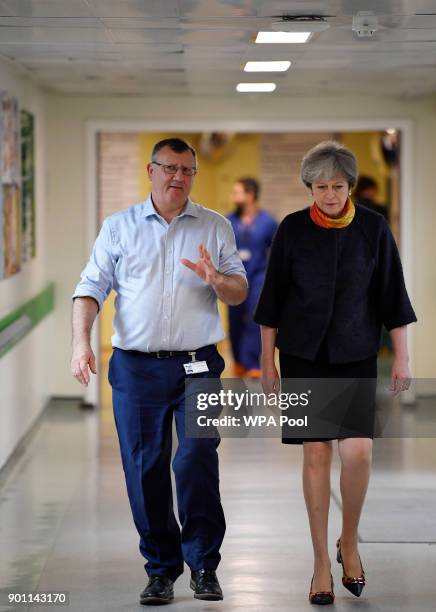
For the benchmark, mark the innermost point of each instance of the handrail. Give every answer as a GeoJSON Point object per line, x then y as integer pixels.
{"type": "Point", "coordinates": [17, 324]}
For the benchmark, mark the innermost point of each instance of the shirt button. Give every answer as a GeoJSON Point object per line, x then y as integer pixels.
{"type": "Point", "coordinates": [168, 271]}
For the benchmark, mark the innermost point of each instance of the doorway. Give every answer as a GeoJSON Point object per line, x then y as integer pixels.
{"type": "Point", "coordinates": [273, 158]}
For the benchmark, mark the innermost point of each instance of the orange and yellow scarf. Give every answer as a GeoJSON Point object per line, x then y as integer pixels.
{"type": "Point", "coordinates": [323, 220]}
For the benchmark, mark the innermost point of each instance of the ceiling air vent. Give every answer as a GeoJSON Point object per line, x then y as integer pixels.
{"type": "Point", "coordinates": [300, 23]}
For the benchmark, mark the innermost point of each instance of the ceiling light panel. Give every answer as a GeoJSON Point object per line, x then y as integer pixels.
{"type": "Point", "coordinates": [255, 87]}
{"type": "Point", "coordinates": [282, 37]}
{"type": "Point", "coordinates": [275, 66]}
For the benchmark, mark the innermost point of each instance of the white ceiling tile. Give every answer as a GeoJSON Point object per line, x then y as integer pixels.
{"type": "Point", "coordinates": [135, 8]}
{"type": "Point", "coordinates": [145, 36]}
{"type": "Point", "coordinates": [18, 35]}
{"type": "Point", "coordinates": [216, 8]}
{"type": "Point", "coordinates": [292, 7]}
{"type": "Point", "coordinates": [61, 36]}
{"type": "Point", "coordinates": [140, 24]}
{"type": "Point", "coordinates": [380, 7]}
{"type": "Point", "coordinates": [114, 52]}
{"type": "Point", "coordinates": [52, 22]}
{"type": "Point", "coordinates": [342, 7]}
{"type": "Point", "coordinates": [221, 38]}
{"type": "Point", "coordinates": [403, 7]}
{"type": "Point", "coordinates": [418, 21]}
{"type": "Point", "coordinates": [415, 35]}
{"type": "Point", "coordinates": [4, 10]}
{"type": "Point", "coordinates": [48, 8]}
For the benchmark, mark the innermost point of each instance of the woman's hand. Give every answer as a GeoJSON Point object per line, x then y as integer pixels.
{"type": "Point", "coordinates": [270, 377]}
{"type": "Point", "coordinates": [400, 376]}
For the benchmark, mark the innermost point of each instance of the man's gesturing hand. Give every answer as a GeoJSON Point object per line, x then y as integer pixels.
{"type": "Point", "coordinates": [204, 266]}
{"type": "Point", "coordinates": [81, 358]}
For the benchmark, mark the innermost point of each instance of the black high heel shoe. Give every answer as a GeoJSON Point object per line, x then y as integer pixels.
{"type": "Point", "coordinates": [321, 598]}
{"type": "Point", "coordinates": [354, 584]}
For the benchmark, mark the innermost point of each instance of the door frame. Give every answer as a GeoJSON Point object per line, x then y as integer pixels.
{"type": "Point", "coordinates": [405, 126]}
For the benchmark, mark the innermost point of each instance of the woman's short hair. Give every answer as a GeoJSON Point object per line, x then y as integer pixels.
{"type": "Point", "coordinates": [327, 160]}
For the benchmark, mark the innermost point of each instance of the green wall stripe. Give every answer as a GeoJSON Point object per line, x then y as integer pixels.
{"type": "Point", "coordinates": [17, 324]}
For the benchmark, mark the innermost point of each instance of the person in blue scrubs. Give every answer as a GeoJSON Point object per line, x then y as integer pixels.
{"type": "Point", "coordinates": [254, 230]}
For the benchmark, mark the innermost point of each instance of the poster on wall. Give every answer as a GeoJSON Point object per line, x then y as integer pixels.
{"type": "Point", "coordinates": [28, 231]}
{"type": "Point", "coordinates": [10, 139]}
{"type": "Point", "coordinates": [10, 180]}
{"type": "Point", "coordinates": [11, 229]}
{"type": "Point", "coordinates": [2, 251]}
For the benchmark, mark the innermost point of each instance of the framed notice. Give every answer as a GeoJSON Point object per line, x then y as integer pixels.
{"type": "Point", "coordinates": [10, 186]}
{"type": "Point", "coordinates": [28, 222]}
{"type": "Point", "coordinates": [10, 139]}
{"type": "Point", "coordinates": [11, 229]}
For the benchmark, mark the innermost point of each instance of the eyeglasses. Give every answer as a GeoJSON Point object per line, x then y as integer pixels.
{"type": "Point", "coordinates": [173, 169]}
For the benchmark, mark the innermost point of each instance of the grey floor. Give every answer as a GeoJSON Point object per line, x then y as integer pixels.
{"type": "Point", "coordinates": [65, 524]}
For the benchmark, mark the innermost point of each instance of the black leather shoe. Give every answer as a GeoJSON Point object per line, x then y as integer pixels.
{"type": "Point", "coordinates": [158, 591]}
{"type": "Point", "coordinates": [205, 585]}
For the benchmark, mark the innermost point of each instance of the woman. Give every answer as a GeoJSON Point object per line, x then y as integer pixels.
{"type": "Point", "coordinates": [334, 277]}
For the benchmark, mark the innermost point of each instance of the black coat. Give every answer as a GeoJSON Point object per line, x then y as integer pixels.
{"type": "Point", "coordinates": [336, 285]}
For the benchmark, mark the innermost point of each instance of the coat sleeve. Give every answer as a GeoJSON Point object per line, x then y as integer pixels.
{"type": "Point", "coordinates": [393, 303]}
{"type": "Point", "coordinates": [273, 293]}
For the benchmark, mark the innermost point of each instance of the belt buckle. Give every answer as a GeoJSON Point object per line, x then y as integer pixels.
{"type": "Point", "coordinates": [161, 355]}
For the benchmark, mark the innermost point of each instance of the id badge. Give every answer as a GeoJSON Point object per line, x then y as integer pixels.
{"type": "Point", "coordinates": [244, 254]}
{"type": "Point", "coordinates": [195, 367]}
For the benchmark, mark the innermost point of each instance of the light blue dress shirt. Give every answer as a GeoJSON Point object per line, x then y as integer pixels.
{"type": "Point", "coordinates": [160, 303]}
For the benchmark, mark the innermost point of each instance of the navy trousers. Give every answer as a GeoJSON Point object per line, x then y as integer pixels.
{"type": "Point", "coordinates": [244, 332]}
{"type": "Point", "coordinates": [147, 394]}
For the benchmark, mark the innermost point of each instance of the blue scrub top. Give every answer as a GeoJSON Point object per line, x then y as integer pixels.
{"type": "Point", "coordinates": [253, 241]}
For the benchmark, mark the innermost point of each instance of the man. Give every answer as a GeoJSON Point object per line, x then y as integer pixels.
{"type": "Point", "coordinates": [254, 230]}
{"type": "Point", "coordinates": [365, 194]}
{"type": "Point", "coordinates": [166, 319]}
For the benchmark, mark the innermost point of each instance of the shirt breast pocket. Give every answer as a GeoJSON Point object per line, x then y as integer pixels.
{"type": "Point", "coordinates": [135, 266]}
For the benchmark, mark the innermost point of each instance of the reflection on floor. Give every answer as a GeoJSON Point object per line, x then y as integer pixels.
{"type": "Point", "coordinates": [65, 523]}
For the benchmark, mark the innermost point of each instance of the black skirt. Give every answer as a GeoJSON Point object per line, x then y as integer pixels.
{"type": "Point", "coordinates": [359, 414]}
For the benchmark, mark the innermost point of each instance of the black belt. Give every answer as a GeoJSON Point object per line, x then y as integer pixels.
{"type": "Point", "coordinates": [167, 354]}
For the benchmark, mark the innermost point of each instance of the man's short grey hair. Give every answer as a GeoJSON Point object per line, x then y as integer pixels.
{"type": "Point", "coordinates": [178, 145]}
{"type": "Point", "coordinates": [328, 160]}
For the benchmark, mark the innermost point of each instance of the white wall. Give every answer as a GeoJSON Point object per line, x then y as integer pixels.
{"type": "Point", "coordinates": [67, 204]}
{"type": "Point", "coordinates": [25, 370]}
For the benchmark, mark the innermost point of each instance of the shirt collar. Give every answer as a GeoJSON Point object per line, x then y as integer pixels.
{"type": "Point", "coordinates": [149, 210]}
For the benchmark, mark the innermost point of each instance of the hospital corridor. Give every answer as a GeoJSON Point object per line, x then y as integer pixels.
{"type": "Point", "coordinates": [217, 305]}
